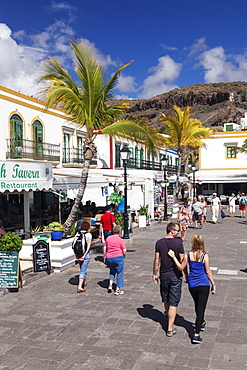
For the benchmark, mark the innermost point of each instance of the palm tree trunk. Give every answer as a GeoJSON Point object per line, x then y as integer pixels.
{"type": "Point", "coordinates": [83, 182]}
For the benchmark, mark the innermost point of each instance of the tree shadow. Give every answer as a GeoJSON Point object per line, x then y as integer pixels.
{"type": "Point", "coordinates": [153, 314]}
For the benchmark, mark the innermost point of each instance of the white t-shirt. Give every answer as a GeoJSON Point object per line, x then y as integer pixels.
{"type": "Point", "coordinates": [215, 201]}
{"type": "Point", "coordinates": [232, 200]}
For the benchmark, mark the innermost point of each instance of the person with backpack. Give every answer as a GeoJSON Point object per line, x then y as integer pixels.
{"type": "Point", "coordinates": [242, 205]}
{"type": "Point", "coordinates": [81, 246]}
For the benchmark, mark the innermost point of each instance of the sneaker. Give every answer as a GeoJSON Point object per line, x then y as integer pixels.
{"type": "Point", "coordinates": [203, 326]}
{"type": "Point", "coordinates": [197, 339]}
{"type": "Point", "coordinates": [119, 292]}
{"type": "Point", "coordinates": [170, 333]}
{"type": "Point", "coordinates": [109, 289]}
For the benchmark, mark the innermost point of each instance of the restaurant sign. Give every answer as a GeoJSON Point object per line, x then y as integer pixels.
{"type": "Point", "coordinates": [18, 176]}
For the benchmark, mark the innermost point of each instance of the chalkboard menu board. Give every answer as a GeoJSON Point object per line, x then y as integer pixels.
{"type": "Point", "coordinates": [41, 256]}
{"type": "Point", "coordinates": [9, 269]}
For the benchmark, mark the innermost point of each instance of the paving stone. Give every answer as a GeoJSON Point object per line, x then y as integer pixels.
{"type": "Point", "coordinates": [97, 330]}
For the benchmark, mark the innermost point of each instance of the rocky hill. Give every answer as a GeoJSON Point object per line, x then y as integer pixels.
{"type": "Point", "coordinates": [214, 103]}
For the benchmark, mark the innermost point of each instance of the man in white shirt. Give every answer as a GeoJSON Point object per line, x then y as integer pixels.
{"type": "Point", "coordinates": [232, 204]}
{"type": "Point", "coordinates": [215, 207]}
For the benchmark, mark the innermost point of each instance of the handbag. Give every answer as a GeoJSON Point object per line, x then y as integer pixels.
{"type": "Point", "coordinates": [222, 213]}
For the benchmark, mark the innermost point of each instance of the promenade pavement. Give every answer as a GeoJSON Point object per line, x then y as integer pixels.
{"type": "Point", "coordinates": [48, 325]}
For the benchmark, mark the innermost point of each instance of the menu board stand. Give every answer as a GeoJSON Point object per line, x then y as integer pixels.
{"type": "Point", "coordinates": [41, 256]}
{"type": "Point", "coordinates": [9, 269]}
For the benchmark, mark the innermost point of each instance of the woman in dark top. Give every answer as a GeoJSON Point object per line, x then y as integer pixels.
{"type": "Point", "coordinates": [199, 279]}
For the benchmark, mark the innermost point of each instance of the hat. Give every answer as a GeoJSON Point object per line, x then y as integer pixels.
{"type": "Point", "coordinates": [214, 193]}
{"type": "Point", "coordinates": [233, 194]}
{"type": "Point", "coordinates": [243, 194]}
{"type": "Point", "coordinates": [107, 208]}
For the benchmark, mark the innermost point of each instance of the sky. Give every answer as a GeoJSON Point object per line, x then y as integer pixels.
{"type": "Point", "coordinates": [171, 43]}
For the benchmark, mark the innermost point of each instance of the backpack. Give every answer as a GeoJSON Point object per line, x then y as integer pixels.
{"type": "Point", "coordinates": [79, 244]}
{"type": "Point", "coordinates": [243, 201]}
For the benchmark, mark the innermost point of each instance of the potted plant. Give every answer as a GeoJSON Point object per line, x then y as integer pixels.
{"type": "Point", "coordinates": [56, 230]}
{"type": "Point", "coordinates": [10, 241]}
{"type": "Point", "coordinates": [143, 214]}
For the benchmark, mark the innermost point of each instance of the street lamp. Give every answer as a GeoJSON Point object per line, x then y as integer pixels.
{"type": "Point", "coordinates": [192, 167]}
{"type": "Point", "coordinates": [164, 161]}
{"type": "Point", "coordinates": [125, 154]}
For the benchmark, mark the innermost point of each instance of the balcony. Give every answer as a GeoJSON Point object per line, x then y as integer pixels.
{"type": "Point", "coordinates": [29, 149]}
{"type": "Point", "coordinates": [151, 165]}
{"type": "Point", "coordinates": [76, 156]}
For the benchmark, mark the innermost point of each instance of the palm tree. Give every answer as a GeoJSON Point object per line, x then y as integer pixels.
{"type": "Point", "coordinates": [85, 102]}
{"type": "Point", "coordinates": [185, 132]}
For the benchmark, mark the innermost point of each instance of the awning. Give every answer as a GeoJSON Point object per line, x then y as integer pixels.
{"type": "Point", "coordinates": [68, 183]}
{"type": "Point", "coordinates": [221, 176]}
{"type": "Point", "coordinates": [18, 176]}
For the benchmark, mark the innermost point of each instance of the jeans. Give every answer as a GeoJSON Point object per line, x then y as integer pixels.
{"type": "Point", "coordinates": [107, 233]}
{"type": "Point", "coordinates": [83, 266]}
{"type": "Point", "coordinates": [116, 266]}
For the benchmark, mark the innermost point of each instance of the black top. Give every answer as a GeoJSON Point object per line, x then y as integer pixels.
{"type": "Point", "coordinates": [168, 267]}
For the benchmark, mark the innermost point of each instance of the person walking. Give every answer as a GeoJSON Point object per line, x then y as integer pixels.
{"type": "Point", "coordinates": [204, 210]}
{"type": "Point", "coordinates": [170, 278]}
{"type": "Point", "coordinates": [197, 209]}
{"type": "Point", "coordinates": [242, 205]}
{"type": "Point", "coordinates": [84, 258]}
{"type": "Point", "coordinates": [199, 279]}
{"type": "Point", "coordinates": [107, 222]}
{"type": "Point", "coordinates": [215, 207]}
{"type": "Point", "coordinates": [232, 204]}
{"type": "Point", "coordinates": [114, 252]}
{"type": "Point", "coordinates": [184, 218]}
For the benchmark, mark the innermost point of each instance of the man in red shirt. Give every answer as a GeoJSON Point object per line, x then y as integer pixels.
{"type": "Point", "coordinates": [107, 222]}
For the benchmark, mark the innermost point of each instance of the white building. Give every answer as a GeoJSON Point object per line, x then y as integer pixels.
{"type": "Point", "coordinates": [36, 139]}
{"type": "Point", "coordinates": [222, 169]}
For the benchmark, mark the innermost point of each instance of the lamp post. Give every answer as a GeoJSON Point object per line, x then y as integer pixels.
{"type": "Point", "coordinates": [125, 154]}
{"type": "Point", "coordinates": [164, 161]}
{"type": "Point", "coordinates": [193, 167]}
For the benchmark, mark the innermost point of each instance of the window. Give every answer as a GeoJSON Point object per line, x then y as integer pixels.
{"type": "Point", "coordinates": [117, 156]}
{"type": "Point", "coordinates": [66, 148]}
{"type": "Point", "coordinates": [16, 135]}
{"type": "Point", "coordinates": [38, 137]}
{"type": "Point", "coordinates": [80, 149]}
{"type": "Point", "coordinates": [231, 152]}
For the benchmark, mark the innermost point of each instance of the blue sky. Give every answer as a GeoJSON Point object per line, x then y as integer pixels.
{"type": "Point", "coordinates": [173, 43]}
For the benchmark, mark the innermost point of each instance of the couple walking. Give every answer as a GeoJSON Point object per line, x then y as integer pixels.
{"type": "Point", "coordinates": [172, 260]}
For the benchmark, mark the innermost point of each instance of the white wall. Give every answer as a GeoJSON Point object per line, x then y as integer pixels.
{"type": "Point", "coordinates": [213, 156]}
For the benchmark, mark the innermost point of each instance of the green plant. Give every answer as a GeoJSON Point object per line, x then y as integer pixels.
{"type": "Point", "coordinates": [10, 241]}
{"type": "Point", "coordinates": [54, 226]}
{"type": "Point", "coordinates": [72, 230]}
{"type": "Point", "coordinates": [119, 217]}
{"type": "Point", "coordinates": [35, 229]}
{"type": "Point", "coordinates": [143, 210]}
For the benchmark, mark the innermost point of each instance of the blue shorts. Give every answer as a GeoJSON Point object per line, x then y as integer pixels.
{"type": "Point", "coordinates": [170, 290]}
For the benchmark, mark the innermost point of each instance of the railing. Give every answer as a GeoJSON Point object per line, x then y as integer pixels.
{"type": "Point", "coordinates": [151, 165]}
{"type": "Point", "coordinates": [74, 155]}
{"type": "Point", "coordinates": [29, 149]}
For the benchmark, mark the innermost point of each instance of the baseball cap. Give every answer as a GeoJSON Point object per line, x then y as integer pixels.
{"type": "Point", "coordinates": [214, 193]}
{"type": "Point", "coordinates": [108, 207]}
{"type": "Point", "coordinates": [243, 194]}
{"type": "Point", "coordinates": [233, 194]}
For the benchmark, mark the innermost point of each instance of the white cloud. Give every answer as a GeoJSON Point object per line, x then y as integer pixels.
{"type": "Point", "coordinates": [126, 83]}
{"type": "Point", "coordinates": [198, 46]}
{"type": "Point", "coordinates": [222, 67]}
{"type": "Point", "coordinates": [162, 78]}
{"type": "Point", "coordinates": [168, 47]}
